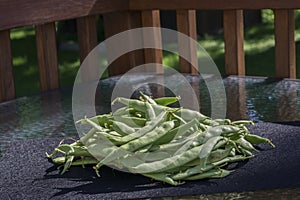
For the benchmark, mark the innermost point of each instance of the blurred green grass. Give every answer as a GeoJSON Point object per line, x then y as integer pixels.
{"type": "Point", "coordinates": [259, 49]}
{"type": "Point", "coordinates": [259, 54]}
{"type": "Point", "coordinates": [26, 67]}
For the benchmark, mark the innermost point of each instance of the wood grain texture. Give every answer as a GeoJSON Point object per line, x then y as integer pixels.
{"type": "Point", "coordinates": [239, 110]}
{"type": "Point", "coordinates": [87, 40]}
{"type": "Point", "coordinates": [211, 4]}
{"type": "Point", "coordinates": [126, 20]}
{"type": "Point", "coordinates": [151, 18]}
{"type": "Point", "coordinates": [47, 56]}
{"type": "Point", "coordinates": [186, 24]}
{"type": "Point", "coordinates": [31, 12]}
{"type": "Point", "coordinates": [234, 42]}
{"type": "Point", "coordinates": [7, 87]}
{"type": "Point", "coordinates": [285, 62]}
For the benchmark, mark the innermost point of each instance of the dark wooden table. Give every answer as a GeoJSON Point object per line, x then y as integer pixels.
{"type": "Point", "coordinates": [29, 126]}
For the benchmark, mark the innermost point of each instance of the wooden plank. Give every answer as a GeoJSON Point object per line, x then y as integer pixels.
{"type": "Point", "coordinates": [7, 87]}
{"type": "Point", "coordinates": [234, 42]}
{"type": "Point", "coordinates": [87, 35]}
{"type": "Point", "coordinates": [47, 56]}
{"type": "Point", "coordinates": [186, 24]}
{"type": "Point", "coordinates": [126, 21]}
{"type": "Point", "coordinates": [32, 12]}
{"type": "Point", "coordinates": [285, 61]}
{"type": "Point", "coordinates": [87, 40]}
{"type": "Point", "coordinates": [151, 18]}
{"type": "Point", "coordinates": [212, 4]}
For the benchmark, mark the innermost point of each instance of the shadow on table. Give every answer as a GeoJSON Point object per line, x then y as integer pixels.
{"type": "Point", "coordinates": [116, 181]}
{"type": "Point", "coordinates": [290, 123]}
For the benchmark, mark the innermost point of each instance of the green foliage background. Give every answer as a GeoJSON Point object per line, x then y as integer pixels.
{"type": "Point", "coordinates": [259, 53]}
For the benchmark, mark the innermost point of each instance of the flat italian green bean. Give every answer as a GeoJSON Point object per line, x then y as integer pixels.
{"type": "Point", "coordinates": [150, 114]}
{"type": "Point", "coordinates": [245, 144]}
{"type": "Point", "coordinates": [243, 122]}
{"type": "Point", "coordinates": [162, 177]}
{"type": "Point", "coordinates": [215, 156]}
{"type": "Point", "coordinates": [189, 115]}
{"type": "Point", "coordinates": [168, 163]}
{"type": "Point", "coordinates": [207, 148]}
{"type": "Point", "coordinates": [150, 126]}
{"type": "Point", "coordinates": [146, 139]}
{"type": "Point", "coordinates": [177, 132]}
{"type": "Point", "coordinates": [122, 128]}
{"type": "Point", "coordinates": [200, 169]}
{"type": "Point", "coordinates": [166, 144]}
{"type": "Point", "coordinates": [214, 173]}
{"type": "Point", "coordinates": [148, 98]}
{"type": "Point", "coordinates": [149, 137]}
{"type": "Point", "coordinates": [101, 120]}
{"type": "Point", "coordinates": [165, 101]}
{"type": "Point", "coordinates": [131, 121]}
{"type": "Point", "coordinates": [255, 139]}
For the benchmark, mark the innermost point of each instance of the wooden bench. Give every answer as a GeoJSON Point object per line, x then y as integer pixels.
{"type": "Point", "coordinates": [120, 15]}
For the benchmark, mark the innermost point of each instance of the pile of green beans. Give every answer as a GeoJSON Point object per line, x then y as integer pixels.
{"type": "Point", "coordinates": [173, 145]}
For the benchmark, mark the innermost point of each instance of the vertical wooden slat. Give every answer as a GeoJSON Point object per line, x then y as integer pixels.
{"type": "Point", "coordinates": [125, 21]}
{"type": "Point", "coordinates": [47, 56]}
{"type": "Point", "coordinates": [87, 40]}
{"type": "Point", "coordinates": [7, 87]}
{"type": "Point", "coordinates": [186, 24]}
{"type": "Point", "coordinates": [285, 63]}
{"type": "Point", "coordinates": [87, 35]}
{"type": "Point", "coordinates": [234, 42]}
{"type": "Point", "coordinates": [151, 18]}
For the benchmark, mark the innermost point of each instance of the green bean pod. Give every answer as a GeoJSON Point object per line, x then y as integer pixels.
{"type": "Point", "coordinates": [255, 139]}
{"type": "Point", "coordinates": [177, 132]}
{"type": "Point", "coordinates": [165, 101]}
{"type": "Point", "coordinates": [220, 130]}
{"type": "Point", "coordinates": [200, 169]}
{"type": "Point", "coordinates": [243, 122]}
{"type": "Point", "coordinates": [207, 148]}
{"type": "Point", "coordinates": [148, 127]}
{"type": "Point", "coordinates": [139, 142]}
{"type": "Point", "coordinates": [168, 163]}
{"type": "Point", "coordinates": [147, 98]}
{"type": "Point", "coordinates": [101, 120]}
{"type": "Point", "coordinates": [124, 111]}
{"type": "Point", "coordinates": [215, 156]}
{"type": "Point", "coordinates": [122, 128]}
{"type": "Point", "coordinates": [189, 115]}
{"type": "Point", "coordinates": [131, 121]}
{"type": "Point", "coordinates": [245, 144]}
{"type": "Point", "coordinates": [150, 114]}
{"type": "Point", "coordinates": [149, 137]}
{"type": "Point", "coordinates": [214, 173]}
{"type": "Point", "coordinates": [162, 177]}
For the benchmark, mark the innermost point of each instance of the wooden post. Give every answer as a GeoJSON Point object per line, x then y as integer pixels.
{"type": "Point", "coordinates": [285, 63]}
{"type": "Point", "coordinates": [234, 42]}
{"type": "Point", "coordinates": [151, 18]}
{"type": "Point", "coordinates": [7, 87]}
{"type": "Point", "coordinates": [87, 40]}
{"type": "Point", "coordinates": [47, 56]}
{"type": "Point", "coordinates": [126, 21]}
{"type": "Point", "coordinates": [186, 24]}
